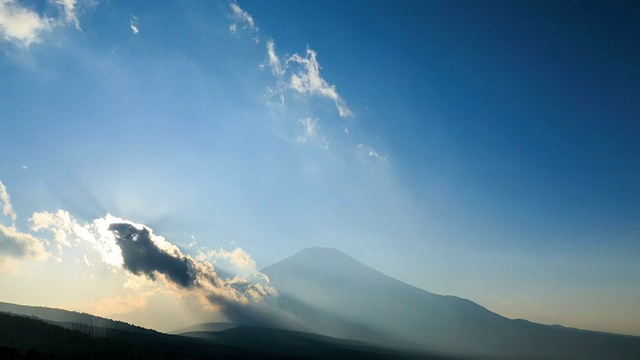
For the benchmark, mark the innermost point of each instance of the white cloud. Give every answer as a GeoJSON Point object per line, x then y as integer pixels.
{"type": "Point", "coordinates": [15, 244]}
{"type": "Point", "coordinates": [237, 257]}
{"type": "Point", "coordinates": [67, 231]}
{"type": "Point", "coordinates": [24, 26]}
{"type": "Point", "coordinates": [60, 223]}
{"type": "Point", "coordinates": [309, 126]}
{"type": "Point", "coordinates": [134, 24]}
{"type": "Point", "coordinates": [69, 12]}
{"type": "Point", "coordinates": [243, 18]}
{"type": "Point", "coordinates": [21, 24]}
{"type": "Point", "coordinates": [204, 280]}
{"type": "Point", "coordinates": [7, 209]}
{"type": "Point", "coordinates": [310, 132]}
{"type": "Point", "coordinates": [274, 61]}
{"type": "Point", "coordinates": [307, 80]}
{"type": "Point", "coordinates": [372, 153]}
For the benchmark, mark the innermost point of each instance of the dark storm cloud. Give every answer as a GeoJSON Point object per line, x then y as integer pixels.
{"type": "Point", "coordinates": [142, 256]}
{"type": "Point", "coordinates": [242, 301]}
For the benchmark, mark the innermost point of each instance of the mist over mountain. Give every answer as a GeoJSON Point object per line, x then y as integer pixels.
{"type": "Point", "coordinates": [31, 337]}
{"type": "Point", "coordinates": [329, 306]}
{"type": "Point", "coordinates": [330, 293]}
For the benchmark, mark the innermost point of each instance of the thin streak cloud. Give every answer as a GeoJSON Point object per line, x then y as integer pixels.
{"type": "Point", "coordinates": [243, 19]}
{"type": "Point", "coordinates": [307, 80]}
{"type": "Point", "coordinates": [372, 153]}
{"type": "Point", "coordinates": [133, 24]}
{"type": "Point", "coordinates": [274, 60]}
{"type": "Point", "coordinates": [7, 208]}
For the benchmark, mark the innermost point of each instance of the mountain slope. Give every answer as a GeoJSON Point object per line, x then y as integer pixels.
{"type": "Point", "coordinates": [277, 342]}
{"type": "Point", "coordinates": [31, 338]}
{"type": "Point", "coordinates": [330, 293]}
{"type": "Point", "coordinates": [72, 319]}
{"type": "Point", "coordinates": [28, 337]}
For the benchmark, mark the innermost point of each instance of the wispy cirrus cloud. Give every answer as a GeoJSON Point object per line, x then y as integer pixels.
{"type": "Point", "coordinates": [7, 208]}
{"type": "Point", "coordinates": [311, 133]}
{"type": "Point", "coordinates": [298, 75]}
{"type": "Point", "coordinates": [244, 20]}
{"type": "Point", "coordinates": [307, 80]}
{"type": "Point", "coordinates": [371, 153]}
{"type": "Point", "coordinates": [22, 25]}
{"type": "Point", "coordinates": [69, 13]}
{"type": "Point", "coordinates": [133, 24]}
{"type": "Point", "coordinates": [305, 77]}
{"type": "Point", "coordinates": [273, 59]}
{"type": "Point", "coordinates": [309, 125]}
{"type": "Point", "coordinates": [302, 75]}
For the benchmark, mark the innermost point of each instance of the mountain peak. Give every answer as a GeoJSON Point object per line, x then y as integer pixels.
{"type": "Point", "coordinates": [322, 259]}
{"type": "Point", "coordinates": [321, 252]}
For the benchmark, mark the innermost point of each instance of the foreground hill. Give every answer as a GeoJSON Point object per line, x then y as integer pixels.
{"type": "Point", "coordinates": [87, 323]}
{"type": "Point", "coordinates": [286, 343]}
{"type": "Point", "coordinates": [328, 292]}
{"type": "Point", "coordinates": [23, 337]}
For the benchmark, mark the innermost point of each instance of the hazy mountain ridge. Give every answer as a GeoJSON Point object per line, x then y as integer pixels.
{"type": "Point", "coordinates": [28, 337]}
{"type": "Point", "coordinates": [25, 337]}
{"type": "Point", "coordinates": [279, 342]}
{"type": "Point", "coordinates": [72, 319]}
{"type": "Point", "coordinates": [351, 293]}
{"type": "Point", "coordinates": [332, 306]}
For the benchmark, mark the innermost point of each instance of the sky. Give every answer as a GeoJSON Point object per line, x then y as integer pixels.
{"type": "Point", "coordinates": [487, 150]}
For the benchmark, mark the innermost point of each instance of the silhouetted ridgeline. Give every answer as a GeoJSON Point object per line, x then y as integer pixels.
{"type": "Point", "coordinates": [22, 337]}
{"type": "Point", "coordinates": [87, 323]}
{"type": "Point", "coordinates": [32, 338]}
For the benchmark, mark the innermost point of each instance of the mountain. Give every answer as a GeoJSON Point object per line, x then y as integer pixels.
{"type": "Point", "coordinates": [328, 292]}
{"type": "Point", "coordinates": [329, 306]}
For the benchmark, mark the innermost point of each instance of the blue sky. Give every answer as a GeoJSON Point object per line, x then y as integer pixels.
{"type": "Point", "coordinates": [483, 149]}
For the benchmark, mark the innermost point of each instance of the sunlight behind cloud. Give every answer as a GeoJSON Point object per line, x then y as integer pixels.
{"type": "Point", "coordinates": [439, 154]}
